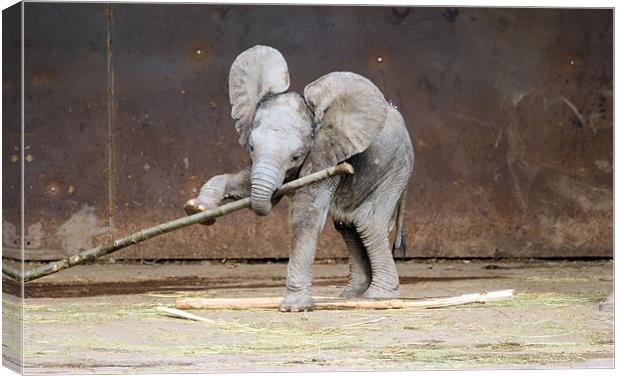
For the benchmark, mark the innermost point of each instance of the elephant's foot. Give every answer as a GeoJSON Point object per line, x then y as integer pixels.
{"type": "Point", "coordinates": [354, 289]}
{"type": "Point", "coordinates": [194, 206]}
{"type": "Point", "coordinates": [297, 303]}
{"type": "Point", "coordinates": [374, 292]}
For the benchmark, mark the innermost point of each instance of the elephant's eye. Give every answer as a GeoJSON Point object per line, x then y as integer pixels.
{"type": "Point", "coordinates": [251, 148]}
{"type": "Point", "coordinates": [296, 158]}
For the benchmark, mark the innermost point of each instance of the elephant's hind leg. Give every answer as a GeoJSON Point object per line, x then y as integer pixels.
{"type": "Point", "coordinates": [359, 265]}
{"type": "Point", "coordinates": [384, 283]}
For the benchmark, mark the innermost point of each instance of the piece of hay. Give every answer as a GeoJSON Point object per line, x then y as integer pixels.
{"type": "Point", "coordinates": [184, 315]}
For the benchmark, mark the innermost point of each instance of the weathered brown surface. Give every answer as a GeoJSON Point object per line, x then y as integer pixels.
{"type": "Point", "coordinates": [12, 335]}
{"type": "Point", "coordinates": [11, 128]}
{"type": "Point", "coordinates": [510, 111]}
{"type": "Point", "coordinates": [66, 143]}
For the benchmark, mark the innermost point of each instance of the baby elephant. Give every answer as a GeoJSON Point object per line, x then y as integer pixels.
{"type": "Point", "coordinates": [339, 117]}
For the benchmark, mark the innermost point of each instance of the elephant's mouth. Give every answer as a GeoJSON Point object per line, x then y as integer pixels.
{"type": "Point", "coordinates": [266, 178]}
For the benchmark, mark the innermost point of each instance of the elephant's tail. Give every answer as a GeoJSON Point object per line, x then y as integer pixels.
{"type": "Point", "coordinates": [400, 242]}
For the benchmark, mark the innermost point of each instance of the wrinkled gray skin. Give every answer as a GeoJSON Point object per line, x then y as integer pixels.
{"type": "Point", "coordinates": [341, 117]}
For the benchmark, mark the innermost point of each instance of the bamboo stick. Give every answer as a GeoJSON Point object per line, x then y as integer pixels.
{"type": "Point", "coordinates": [151, 232]}
{"type": "Point", "coordinates": [335, 303]}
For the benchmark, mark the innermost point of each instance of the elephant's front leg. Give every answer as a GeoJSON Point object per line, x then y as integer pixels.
{"type": "Point", "coordinates": [218, 188]}
{"type": "Point", "coordinates": [309, 209]}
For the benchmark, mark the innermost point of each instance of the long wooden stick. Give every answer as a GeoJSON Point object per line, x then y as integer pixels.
{"type": "Point", "coordinates": [151, 232]}
{"type": "Point", "coordinates": [331, 303]}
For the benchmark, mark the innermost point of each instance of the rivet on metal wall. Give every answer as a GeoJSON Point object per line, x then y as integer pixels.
{"type": "Point", "coordinates": [53, 188]}
{"type": "Point", "coordinates": [199, 51]}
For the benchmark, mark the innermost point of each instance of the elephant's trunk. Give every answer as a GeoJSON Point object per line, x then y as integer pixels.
{"type": "Point", "coordinates": [266, 178]}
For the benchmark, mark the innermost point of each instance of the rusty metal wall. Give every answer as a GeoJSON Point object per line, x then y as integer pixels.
{"type": "Point", "coordinates": [66, 130]}
{"type": "Point", "coordinates": [510, 111]}
{"type": "Point", "coordinates": [12, 314]}
{"type": "Point", "coordinates": [11, 129]}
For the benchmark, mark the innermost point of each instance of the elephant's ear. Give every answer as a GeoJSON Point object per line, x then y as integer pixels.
{"type": "Point", "coordinates": [349, 111]}
{"type": "Point", "coordinates": [255, 74]}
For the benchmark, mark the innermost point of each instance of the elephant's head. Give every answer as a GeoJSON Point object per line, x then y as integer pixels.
{"type": "Point", "coordinates": [338, 116]}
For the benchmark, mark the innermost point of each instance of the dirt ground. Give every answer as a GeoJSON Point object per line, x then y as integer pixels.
{"type": "Point", "coordinates": [103, 318]}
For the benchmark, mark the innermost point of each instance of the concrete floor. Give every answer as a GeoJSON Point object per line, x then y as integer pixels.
{"type": "Point", "coordinates": [103, 319]}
